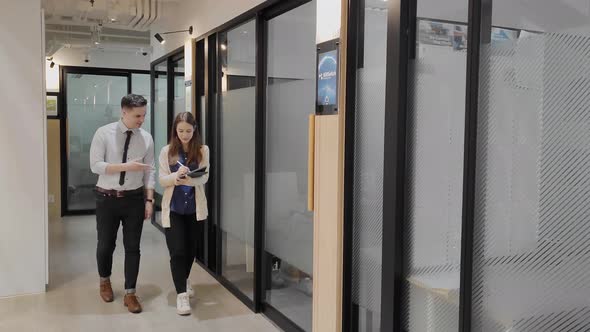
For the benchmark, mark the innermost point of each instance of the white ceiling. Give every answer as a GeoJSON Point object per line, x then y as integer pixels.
{"type": "Point", "coordinates": [117, 25]}
{"type": "Point", "coordinates": [121, 14]}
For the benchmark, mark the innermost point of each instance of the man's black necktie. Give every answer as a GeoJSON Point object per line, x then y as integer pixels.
{"type": "Point", "coordinates": [125, 149]}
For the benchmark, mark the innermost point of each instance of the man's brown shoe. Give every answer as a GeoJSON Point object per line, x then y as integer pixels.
{"type": "Point", "coordinates": [106, 291]}
{"type": "Point", "coordinates": [132, 303]}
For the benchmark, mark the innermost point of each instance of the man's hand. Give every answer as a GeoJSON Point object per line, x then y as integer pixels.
{"type": "Point", "coordinates": [149, 209]}
{"type": "Point", "coordinates": [136, 166]}
{"type": "Point", "coordinates": [130, 166]}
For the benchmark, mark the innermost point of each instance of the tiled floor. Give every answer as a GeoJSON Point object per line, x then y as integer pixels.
{"type": "Point", "coordinates": [72, 302]}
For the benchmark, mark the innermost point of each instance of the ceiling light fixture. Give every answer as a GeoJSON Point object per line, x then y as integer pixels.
{"type": "Point", "coordinates": [161, 39]}
{"type": "Point", "coordinates": [51, 63]}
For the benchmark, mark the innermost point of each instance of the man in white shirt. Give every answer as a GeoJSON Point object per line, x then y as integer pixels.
{"type": "Point", "coordinates": [122, 154]}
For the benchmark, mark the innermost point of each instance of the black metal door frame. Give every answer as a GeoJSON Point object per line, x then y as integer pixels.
{"type": "Point", "coordinates": [167, 60]}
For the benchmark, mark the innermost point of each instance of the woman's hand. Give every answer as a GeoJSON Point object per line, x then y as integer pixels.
{"type": "Point", "coordinates": [182, 171]}
{"type": "Point", "coordinates": [180, 180]}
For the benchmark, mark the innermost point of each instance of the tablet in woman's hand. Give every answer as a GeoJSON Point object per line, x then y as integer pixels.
{"type": "Point", "coordinates": [197, 173]}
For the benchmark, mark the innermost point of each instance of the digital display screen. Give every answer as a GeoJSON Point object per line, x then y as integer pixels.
{"type": "Point", "coordinates": [327, 78]}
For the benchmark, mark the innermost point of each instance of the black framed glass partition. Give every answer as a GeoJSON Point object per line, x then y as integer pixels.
{"type": "Point", "coordinates": [168, 99]}
{"type": "Point", "coordinates": [91, 98]}
{"type": "Point", "coordinates": [485, 166]}
{"type": "Point", "coordinates": [237, 129]}
{"type": "Point", "coordinates": [434, 169]}
{"type": "Point", "coordinates": [367, 190]}
{"type": "Point", "coordinates": [408, 106]}
{"type": "Point", "coordinates": [201, 116]}
{"type": "Point", "coordinates": [231, 67]}
{"type": "Point", "coordinates": [288, 225]}
{"type": "Point", "coordinates": [179, 88]}
{"type": "Point", "coordinates": [531, 237]}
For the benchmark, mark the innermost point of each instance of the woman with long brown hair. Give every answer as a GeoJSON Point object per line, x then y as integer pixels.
{"type": "Point", "coordinates": [184, 203]}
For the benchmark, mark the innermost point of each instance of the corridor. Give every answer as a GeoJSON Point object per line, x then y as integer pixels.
{"type": "Point", "coordinates": [72, 302]}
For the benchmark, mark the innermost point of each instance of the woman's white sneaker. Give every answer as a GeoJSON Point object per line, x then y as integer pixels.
{"type": "Point", "coordinates": [183, 306]}
{"type": "Point", "coordinates": [189, 289]}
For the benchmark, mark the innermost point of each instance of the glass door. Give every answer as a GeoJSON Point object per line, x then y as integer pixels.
{"type": "Point", "coordinates": [290, 99]}
{"type": "Point", "coordinates": [367, 193]}
{"type": "Point", "coordinates": [92, 101]}
{"type": "Point", "coordinates": [237, 126]}
{"type": "Point", "coordinates": [159, 121]}
{"type": "Point", "coordinates": [179, 89]}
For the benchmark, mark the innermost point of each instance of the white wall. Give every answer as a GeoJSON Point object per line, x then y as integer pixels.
{"type": "Point", "coordinates": [328, 20]}
{"type": "Point", "coordinates": [106, 59]}
{"type": "Point", "coordinates": [203, 15]}
{"type": "Point", "coordinates": [22, 140]}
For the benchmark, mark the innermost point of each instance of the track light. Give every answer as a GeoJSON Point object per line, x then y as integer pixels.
{"type": "Point", "coordinates": [161, 39]}
{"type": "Point", "coordinates": [51, 63]}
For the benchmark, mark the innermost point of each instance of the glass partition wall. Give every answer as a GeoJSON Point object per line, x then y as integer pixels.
{"type": "Point", "coordinates": [168, 98]}
{"type": "Point", "coordinates": [477, 220]}
{"type": "Point", "coordinates": [288, 227]}
{"type": "Point", "coordinates": [531, 236]}
{"type": "Point", "coordinates": [258, 78]}
{"type": "Point", "coordinates": [236, 149]}
{"type": "Point", "coordinates": [91, 98]}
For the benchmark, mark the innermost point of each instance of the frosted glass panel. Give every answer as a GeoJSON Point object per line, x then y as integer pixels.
{"type": "Point", "coordinates": [160, 115]}
{"type": "Point", "coordinates": [140, 85]}
{"type": "Point", "coordinates": [179, 89]}
{"type": "Point", "coordinates": [203, 120]}
{"type": "Point", "coordinates": [368, 166]}
{"type": "Point", "coordinates": [290, 101]}
{"type": "Point", "coordinates": [436, 126]}
{"type": "Point", "coordinates": [237, 151]}
{"type": "Point", "coordinates": [531, 231]}
{"type": "Point", "coordinates": [92, 101]}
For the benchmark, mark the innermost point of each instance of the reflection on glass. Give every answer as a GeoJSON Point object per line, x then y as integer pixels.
{"type": "Point", "coordinates": [92, 102]}
{"type": "Point", "coordinates": [237, 151]}
{"type": "Point", "coordinates": [179, 89]}
{"type": "Point", "coordinates": [140, 85]}
{"type": "Point", "coordinates": [160, 125]}
{"type": "Point", "coordinates": [368, 166]}
{"type": "Point", "coordinates": [203, 120]}
{"type": "Point", "coordinates": [531, 232]}
{"type": "Point", "coordinates": [288, 224]}
{"type": "Point", "coordinates": [436, 125]}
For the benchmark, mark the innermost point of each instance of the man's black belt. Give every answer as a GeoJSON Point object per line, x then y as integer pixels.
{"type": "Point", "coordinates": [119, 193]}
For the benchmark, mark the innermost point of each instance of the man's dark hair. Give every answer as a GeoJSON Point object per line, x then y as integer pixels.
{"type": "Point", "coordinates": [132, 100]}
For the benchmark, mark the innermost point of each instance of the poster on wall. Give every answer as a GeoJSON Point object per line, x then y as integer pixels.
{"type": "Point", "coordinates": [327, 78]}
{"type": "Point", "coordinates": [502, 34]}
{"type": "Point", "coordinates": [51, 105]}
{"type": "Point", "coordinates": [442, 34]}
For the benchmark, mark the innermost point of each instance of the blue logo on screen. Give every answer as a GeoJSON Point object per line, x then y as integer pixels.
{"type": "Point", "coordinates": [327, 78]}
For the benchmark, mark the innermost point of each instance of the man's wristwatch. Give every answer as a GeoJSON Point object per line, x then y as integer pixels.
{"type": "Point", "coordinates": [151, 200]}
